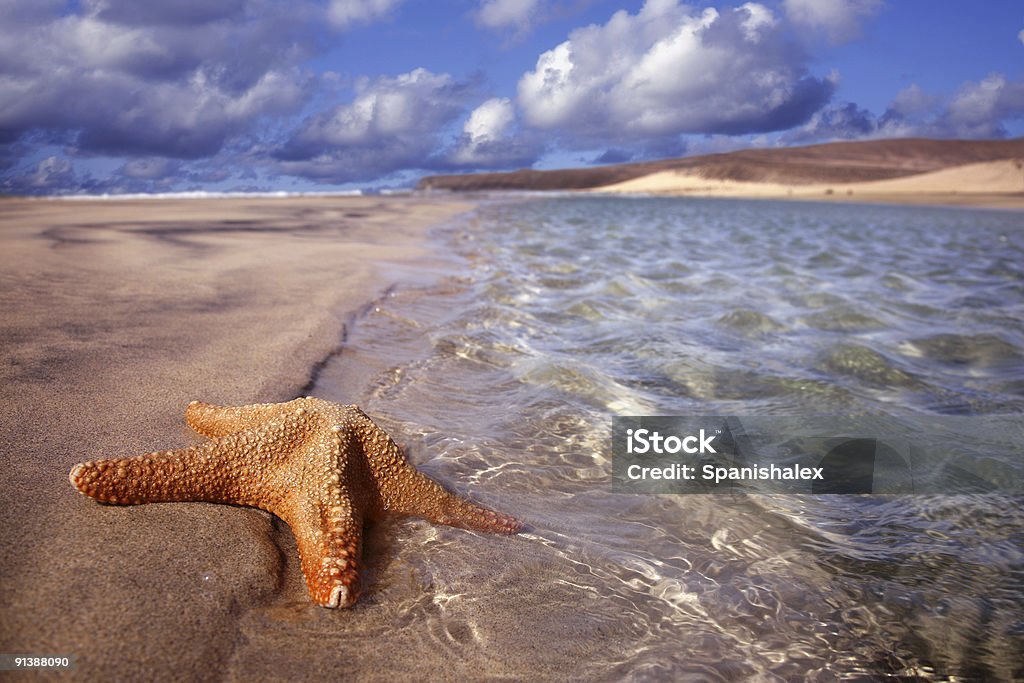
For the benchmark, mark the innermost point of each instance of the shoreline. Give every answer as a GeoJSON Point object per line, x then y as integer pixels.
{"type": "Point", "coordinates": [994, 202]}
{"type": "Point", "coordinates": [119, 312]}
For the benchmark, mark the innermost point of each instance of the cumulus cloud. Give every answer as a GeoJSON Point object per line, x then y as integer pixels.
{"type": "Point", "coordinates": [157, 78]}
{"type": "Point", "coordinates": [491, 120]}
{"type": "Point", "coordinates": [179, 90]}
{"type": "Point", "coordinates": [344, 13]}
{"type": "Point", "coordinates": [504, 14]}
{"type": "Point", "coordinates": [977, 110]}
{"type": "Point", "coordinates": [912, 102]}
{"type": "Point", "coordinates": [841, 20]}
{"type": "Point", "coordinates": [665, 71]}
{"type": "Point", "coordinates": [980, 110]}
{"type": "Point", "coordinates": [491, 139]}
{"type": "Point", "coordinates": [393, 123]}
{"type": "Point", "coordinates": [1020, 36]}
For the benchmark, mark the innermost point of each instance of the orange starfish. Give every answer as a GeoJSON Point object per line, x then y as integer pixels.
{"type": "Point", "coordinates": [322, 467]}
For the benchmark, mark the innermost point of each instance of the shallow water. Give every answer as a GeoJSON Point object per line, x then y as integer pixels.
{"type": "Point", "coordinates": [503, 381]}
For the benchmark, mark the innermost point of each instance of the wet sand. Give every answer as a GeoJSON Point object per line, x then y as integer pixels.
{"type": "Point", "coordinates": [115, 315]}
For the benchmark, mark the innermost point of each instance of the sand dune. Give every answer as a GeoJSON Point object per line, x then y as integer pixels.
{"type": "Point", "coordinates": [836, 162]}
{"type": "Point", "coordinates": [991, 183]}
{"type": "Point", "coordinates": [982, 178]}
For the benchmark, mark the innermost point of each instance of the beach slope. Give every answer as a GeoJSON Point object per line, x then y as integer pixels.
{"type": "Point", "coordinates": [116, 314]}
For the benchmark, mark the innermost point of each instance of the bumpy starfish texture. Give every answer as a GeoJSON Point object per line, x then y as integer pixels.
{"type": "Point", "coordinates": [322, 467]}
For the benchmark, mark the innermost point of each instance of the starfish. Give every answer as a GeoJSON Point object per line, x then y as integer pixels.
{"type": "Point", "coordinates": [322, 467]}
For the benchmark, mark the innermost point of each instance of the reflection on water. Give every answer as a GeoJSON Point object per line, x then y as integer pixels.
{"type": "Point", "coordinates": [572, 310]}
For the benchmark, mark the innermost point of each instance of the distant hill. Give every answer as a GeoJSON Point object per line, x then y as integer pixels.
{"type": "Point", "coordinates": [836, 162]}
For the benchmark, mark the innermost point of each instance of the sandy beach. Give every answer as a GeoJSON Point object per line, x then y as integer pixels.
{"type": "Point", "coordinates": [497, 351]}
{"type": "Point", "coordinates": [116, 314]}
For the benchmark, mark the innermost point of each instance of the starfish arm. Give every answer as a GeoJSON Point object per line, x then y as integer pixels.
{"type": "Point", "coordinates": [329, 538]}
{"type": "Point", "coordinates": [327, 502]}
{"type": "Point", "coordinates": [413, 493]}
{"type": "Point", "coordinates": [215, 421]}
{"type": "Point", "coordinates": [405, 490]}
{"type": "Point", "coordinates": [232, 469]}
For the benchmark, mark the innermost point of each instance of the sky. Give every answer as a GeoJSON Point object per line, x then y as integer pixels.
{"type": "Point", "coordinates": [156, 96]}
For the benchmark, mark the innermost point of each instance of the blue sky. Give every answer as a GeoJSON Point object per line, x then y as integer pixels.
{"type": "Point", "coordinates": [108, 96]}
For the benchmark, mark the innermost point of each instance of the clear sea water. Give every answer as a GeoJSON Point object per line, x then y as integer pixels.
{"type": "Point", "coordinates": [502, 380]}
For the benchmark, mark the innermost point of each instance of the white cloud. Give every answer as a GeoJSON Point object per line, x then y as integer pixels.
{"type": "Point", "coordinates": [384, 108]}
{"type": "Point", "coordinates": [759, 18]}
{"type": "Point", "coordinates": [145, 81]}
{"type": "Point", "coordinates": [912, 101]}
{"type": "Point", "coordinates": [392, 123]}
{"type": "Point", "coordinates": [344, 13]}
{"type": "Point", "coordinates": [977, 110]}
{"type": "Point", "coordinates": [490, 121]}
{"type": "Point", "coordinates": [499, 14]}
{"type": "Point", "coordinates": [404, 122]}
{"type": "Point", "coordinates": [666, 71]}
{"type": "Point", "coordinates": [491, 139]}
{"type": "Point", "coordinates": [101, 45]}
{"type": "Point", "coordinates": [1020, 35]}
{"type": "Point", "coordinates": [840, 19]}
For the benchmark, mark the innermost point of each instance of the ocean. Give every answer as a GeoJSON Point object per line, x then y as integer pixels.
{"type": "Point", "coordinates": [552, 316]}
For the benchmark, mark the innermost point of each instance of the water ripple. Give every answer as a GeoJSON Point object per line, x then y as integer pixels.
{"type": "Point", "coordinates": [573, 310]}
